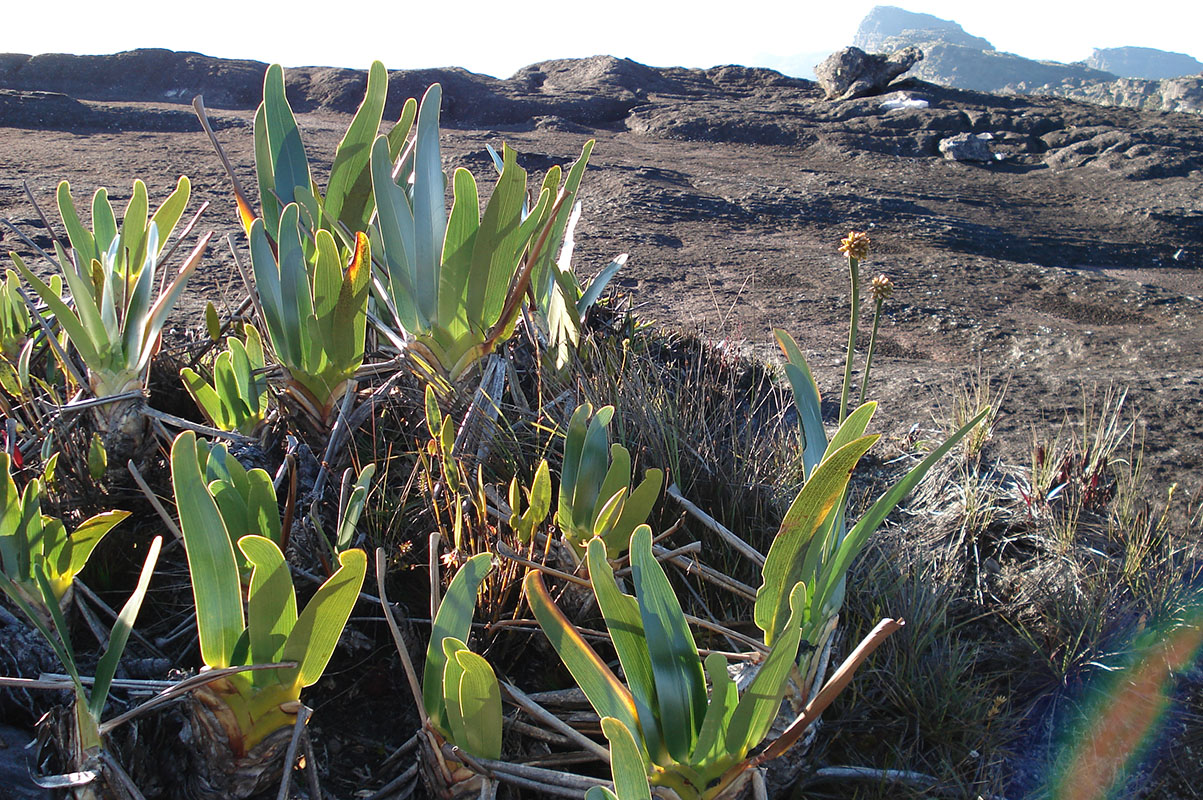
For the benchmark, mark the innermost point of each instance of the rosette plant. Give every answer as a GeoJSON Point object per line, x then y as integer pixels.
{"type": "Point", "coordinates": [691, 742]}
{"type": "Point", "coordinates": [309, 251]}
{"type": "Point", "coordinates": [814, 548]}
{"type": "Point", "coordinates": [111, 272]}
{"type": "Point", "coordinates": [238, 398]}
{"type": "Point", "coordinates": [460, 694]}
{"type": "Point", "coordinates": [455, 281]}
{"type": "Point", "coordinates": [246, 718]}
{"type": "Point", "coordinates": [597, 497]}
{"type": "Point", "coordinates": [35, 547]}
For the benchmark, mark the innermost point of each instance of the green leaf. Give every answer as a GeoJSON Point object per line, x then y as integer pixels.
{"type": "Point", "coordinates": [680, 682]}
{"type": "Point", "coordinates": [816, 500]}
{"type": "Point", "coordinates": [98, 458]}
{"type": "Point", "coordinates": [104, 223]}
{"type": "Point", "coordinates": [132, 250]}
{"type": "Point", "coordinates": [605, 692]}
{"type": "Point", "coordinates": [429, 208]}
{"type": "Point", "coordinates": [498, 245]}
{"type": "Point", "coordinates": [79, 336]}
{"type": "Point", "coordinates": [454, 620]}
{"type": "Point", "coordinates": [453, 673]}
{"type": "Point", "coordinates": [265, 174]}
{"type": "Point", "coordinates": [215, 584]}
{"type": "Point", "coordinates": [81, 543]}
{"type": "Point", "coordinates": [712, 738]}
{"type": "Point", "coordinates": [760, 702]}
{"type": "Point", "coordinates": [621, 613]}
{"type": "Point", "coordinates": [635, 511]}
{"type": "Point", "coordinates": [296, 302]}
{"type": "Point", "coordinates": [806, 398]}
{"type": "Point", "coordinates": [212, 322]}
{"type": "Point", "coordinates": [395, 222]}
{"type": "Point", "coordinates": [574, 446]}
{"type": "Point", "coordinates": [169, 213]}
{"type": "Point", "coordinates": [626, 762]}
{"type": "Point", "coordinates": [349, 192]}
{"type": "Point", "coordinates": [107, 667]}
{"type": "Point", "coordinates": [480, 705]}
{"type": "Point", "coordinates": [157, 317]}
{"type": "Point", "coordinates": [290, 165]}
{"type": "Point", "coordinates": [456, 315]}
{"type": "Point", "coordinates": [80, 237]}
{"type": "Point", "coordinates": [271, 608]}
{"type": "Point", "coordinates": [400, 131]}
{"type": "Point", "coordinates": [318, 628]}
{"type": "Point", "coordinates": [856, 539]}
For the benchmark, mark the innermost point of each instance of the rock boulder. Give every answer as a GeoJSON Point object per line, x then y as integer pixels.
{"type": "Point", "coordinates": [852, 72]}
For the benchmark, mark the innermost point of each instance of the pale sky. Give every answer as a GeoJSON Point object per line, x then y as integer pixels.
{"type": "Point", "coordinates": [497, 38]}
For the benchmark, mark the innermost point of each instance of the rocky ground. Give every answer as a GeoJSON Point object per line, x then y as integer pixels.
{"type": "Point", "coordinates": [1067, 265]}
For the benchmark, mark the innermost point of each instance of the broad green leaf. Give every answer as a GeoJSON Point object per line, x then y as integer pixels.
{"type": "Point", "coordinates": [132, 251]}
{"type": "Point", "coordinates": [594, 463]}
{"type": "Point", "coordinates": [349, 319]}
{"type": "Point", "coordinates": [455, 278]}
{"type": "Point", "coordinates": [621, 613]}
{"type": "Point", "coordinates": [349, 192]}
{"type": "Point", "coordinates": [211, 564]}
{"type": "Point", "coordinates": [82, 240]}
{"type": "Point", "coordinates": [806, 398]}
{"type": "Point", "coordinates": [626, 762]}
{"type": "Point", "coordinates": [816, 500]}
{"type": "Point", "coordinates": [271, 608]}
{"type": "Point", "coordinates": [262, 506]}
{"type": "Point", "coordinates": [104, 222]}
{"type": "Point", "coordinates": [635, 511]}
{"type": "Point", "coordinates": [318, 628]}
{"type": "Point", "coordinates": [265, 175]}
{"type": "Point", "coordinates": [454, 620]}
{"type": "Point", "coordinates": [712, 738]}
{"type": "Point", "coordinates": [289, 163]}
{"type": "Point", "coordinates": [853, 428]}
{"type": "Point", "coordinates": [296, 303]}
{"type": "Point", "coordinates": [76, 332]}
{"type": "Point", "coordinates": [574, 445]}
{"type": "Point", "coordinates": [598, 285]}
{"type": "Point", "coordinates": [429, 208]}
{"type": "Point", "coordinates": [400, 131]}
{"type": "Point", "coordinates": [81, 543]}
{"type": "Point", "coordinates": [680, 682]}
{"type": "Point", "coordinates": [11, 547]}
{"type": "Point", "coordinates": [760, 702]}
{"type": "Point", "coordinates": [453, 673]}
{"type": "Point", "coordinates": [169, 213]}
{"type": "Point", "coordinates": [617, 479]}
{"type": "Point", "coordinates": [267, 283]}
{"type": "Point", "coordinates": [480, 705]}
{"type": "Point", "coordinates": [498, 244]}
{"type": "Point", "coordinates": [605, 692]}
{"type": "Point", "coordinates": [158, 314]}
{"type": "Point", "coordinates": [395, 222]}
{"type": "Point", "coordinates": [107, 667]}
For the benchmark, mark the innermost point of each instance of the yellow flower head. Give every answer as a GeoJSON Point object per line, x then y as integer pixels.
{"type": "Point", "coordinates": [881, 287]}
{"type": "Point", "coordinates": [856, 245]}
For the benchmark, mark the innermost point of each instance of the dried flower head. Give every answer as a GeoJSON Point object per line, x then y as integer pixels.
{"type": "Point", "coordinates": [881, 287]}
{"type": "Point", "coordinates": [856, 245]}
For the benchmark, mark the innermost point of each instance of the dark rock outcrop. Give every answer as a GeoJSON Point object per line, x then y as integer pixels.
{"type": "Point", "coordinates": [852, 72]}
{"type": "Point", "coordinates": [1144, 62]}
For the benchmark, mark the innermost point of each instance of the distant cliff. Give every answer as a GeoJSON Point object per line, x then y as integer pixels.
{"type": "Point", "coordinates": [1144, 62]}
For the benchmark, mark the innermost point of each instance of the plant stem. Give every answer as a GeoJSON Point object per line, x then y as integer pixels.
{"type": "Point", "coordinates": [864, 381]}
{"type": "Point", "coordinates": [854, 279]}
